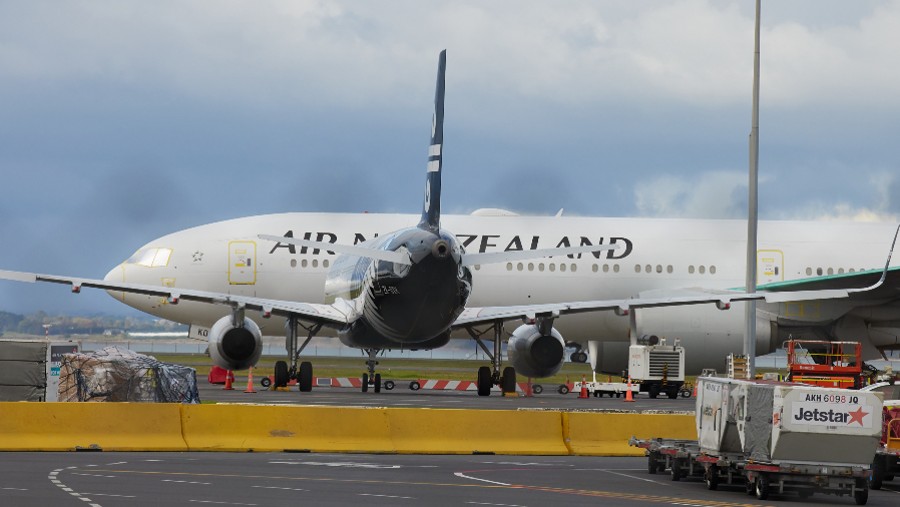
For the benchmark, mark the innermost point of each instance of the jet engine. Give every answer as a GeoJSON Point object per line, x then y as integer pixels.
{"type": "Point", "coordinates": [534, 354]}
{"type": "Point", "coordinates": [232, 347]}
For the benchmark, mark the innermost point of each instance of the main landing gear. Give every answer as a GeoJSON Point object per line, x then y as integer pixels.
{"type": "Point", "coordinates": [490, 376]}
{"type": "Point", "coordinates": [371, 378]}
{"type": "Point", "coordinates": [304, 373]}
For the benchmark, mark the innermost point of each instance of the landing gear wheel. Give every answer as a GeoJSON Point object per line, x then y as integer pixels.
{"type": "Point", "coordinates": [265, 382]}
{"type": "Point", "coordinates": [365, 382]}
{"type": "Point", "coordinates": [484, 382]}
{"type": "Point", "coordinates": [305, 377]}
{"type": "Point", "coordinates": [377, 383]}
{"type": "Point", "coordinates": [712, 478]}
{"type": "Point", "coordinates": [281, 374]}
{"type": "Point", "coordinates": [389, 385]}
{"type": "Point", "coordinates": [415, 385]}
{"type": "Point", "coordinates": [762, 487]}
{"type": "Point", "coordinates": [508, 380]}
{"type": "Point", "coordinates": [563, 389]}
{"type": "Point", "coordinates": [537, 389]}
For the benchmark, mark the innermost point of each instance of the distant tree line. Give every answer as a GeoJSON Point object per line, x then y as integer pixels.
{"type": "Point", "coordinates": [40, 322]}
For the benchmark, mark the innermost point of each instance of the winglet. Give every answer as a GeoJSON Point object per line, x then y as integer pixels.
{"type": "Point", "coordinates": [431, 209]}
{"type": "Point", "coordinates": [887, 265]}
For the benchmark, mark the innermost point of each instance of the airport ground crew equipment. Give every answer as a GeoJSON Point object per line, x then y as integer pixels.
{"type": "Point", "coordinates": [886, 465]}
{"type": "Point", "coordinates": [775, 438]}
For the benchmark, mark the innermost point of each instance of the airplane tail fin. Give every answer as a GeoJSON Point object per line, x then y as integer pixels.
{"type": "Point", "coordinates": [431, 210]}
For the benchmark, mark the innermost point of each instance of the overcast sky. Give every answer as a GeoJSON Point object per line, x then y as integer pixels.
{"type": "Point", "coordinates": [126, 120]}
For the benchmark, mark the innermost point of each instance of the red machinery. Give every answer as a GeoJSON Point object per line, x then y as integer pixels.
{"type": "Point", "coordinates": [825, 363]}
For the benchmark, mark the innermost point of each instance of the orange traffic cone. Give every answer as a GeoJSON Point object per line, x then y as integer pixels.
{"type": "Point", "coordinates": [695, 391]}
{"type": "Point", "coordinates": [250, 381]}
{"type": "Point", "coordinates": [628, 395]}
{"type": "Point", "coordinates": [229, 377]}
{"type": "Point", "coordinates": [583, 393]}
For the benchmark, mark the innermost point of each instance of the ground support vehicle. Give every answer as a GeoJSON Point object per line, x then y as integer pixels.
{"type": "Point", "coordinates": [600, 389]}
{"type": "Point", "coordinates": [826, 363]}
{"type": "Point", "coordinates": [886, 464]}
{"type": "Point", "coordinates": [657, 368]}
{"type": "Point", "coordinates": [684, 459]}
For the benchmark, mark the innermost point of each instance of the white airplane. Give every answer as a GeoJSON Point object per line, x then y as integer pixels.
{"type": "Point", "coordinates": [378, 282]}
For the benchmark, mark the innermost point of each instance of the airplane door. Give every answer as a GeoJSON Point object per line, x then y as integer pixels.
{"type": "Point", "coordinates": [769, 266]}
{"type": "Point", "coordinates": [242, 262]}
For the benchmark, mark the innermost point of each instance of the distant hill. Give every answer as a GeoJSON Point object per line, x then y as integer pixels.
{"type": "Point", "coordinates": [40, 323]}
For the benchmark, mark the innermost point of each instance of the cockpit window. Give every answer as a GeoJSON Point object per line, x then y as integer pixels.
{"type": "Point", "coordinates": [151, 257]}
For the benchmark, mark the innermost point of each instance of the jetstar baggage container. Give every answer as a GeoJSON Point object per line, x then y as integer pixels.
{"type": "Point", "coordinates": [719, 409]}
{"type": "Point", "coordinates": [823, 425]}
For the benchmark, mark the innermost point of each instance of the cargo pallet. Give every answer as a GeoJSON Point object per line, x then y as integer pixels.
{"type": "Point", "coordinates": [684, 459]}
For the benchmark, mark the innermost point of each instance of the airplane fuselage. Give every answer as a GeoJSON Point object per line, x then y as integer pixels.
{"type": "Point", "coordinates": [654, 255]}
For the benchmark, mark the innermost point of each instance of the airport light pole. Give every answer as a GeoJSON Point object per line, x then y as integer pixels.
{"type": "Point", "coordinates": [753, 212]}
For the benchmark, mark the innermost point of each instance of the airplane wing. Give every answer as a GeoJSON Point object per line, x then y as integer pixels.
{"type": "Point", "coordinates": [335, 315]}
{"type": "Point", "coordinates": [722, 299]}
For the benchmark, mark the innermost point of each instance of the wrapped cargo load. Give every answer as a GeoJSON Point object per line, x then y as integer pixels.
{"type": "Point", "coordinates": [113, 374]}
{"type": "Point", "coordinates": [784, 422]}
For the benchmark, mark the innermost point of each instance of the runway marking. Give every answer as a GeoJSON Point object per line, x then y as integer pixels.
{"type": "Point", "coordinates": [276, 487]}
{"type": "Point", "coordinates": [386, 496]}
{"type": "Point", "coordinates": [220, 503]}
{"type": "Point", "coordinates": [631, 476]}
{"type": "Point", "coordinates": [496, 504]}
{"type": "Point", "coordinates": [464, 476]}
{"type": "Point", "coordinates": [110, 494]}
{"type": "Point", "coordinates": [56, 482]}
{"type": "Point", "coordinates": [337, 464]}
{"type": "Point", "coordinates": [96, 475]}
{"type": "Point", "coordinates": [639, 498]}
{"type": "Point", "coordinates": [188, 482]}
{"type": "Point", "coordinates": [15, 489]}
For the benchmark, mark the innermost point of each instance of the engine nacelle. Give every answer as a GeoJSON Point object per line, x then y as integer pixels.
{"type": "Point", "coordinates": [235, 348]}
{"type": "Point", "coordinates": [533, 354]}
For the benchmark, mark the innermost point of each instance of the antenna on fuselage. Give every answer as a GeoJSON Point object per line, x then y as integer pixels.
{"type": "Point", "coordinates": [431, 209]}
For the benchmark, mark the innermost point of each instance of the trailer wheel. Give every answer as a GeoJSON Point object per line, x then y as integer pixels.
{"type": "Point", "coordinates": [672, 393]}
{"type": "Point", "coordinates": [676, 469]}
{"type": "Point", "coordinates": [415, 385]}
{"type": "Point", "coordinates": [653, 392]}
{"type": "Point", "coordinates": [265, 382]}
{"type": "Point", "coordinates": [563, 389]}
{"type": "Point", "coordinates": [861, 495]}
{"type": "Point", "coordinates": [750, 487]}
{"type": "Point", "coordinates": [712, 478]}
{"type": "Point", "coordinates": [685, 392]}
{"type": "Point", "coordinates": [762, 487]}
{"type": "Point", "coordinates": [651, 464]}
{"type": "Point", "coordinates": [389, 385]}
{"type": "Point", "coordinates": [876, 475]}
{"type": "Point", "coordinates": [537, 389]}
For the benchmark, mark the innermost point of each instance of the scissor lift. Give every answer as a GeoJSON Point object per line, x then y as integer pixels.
{"type": "Point", "coordinates": [825, 363]}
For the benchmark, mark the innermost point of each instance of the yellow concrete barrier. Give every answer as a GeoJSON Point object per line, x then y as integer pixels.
{"type": "Point", "coordinates": [443, 431]}
{"type": "Point", "coordinates": [26, 426]}
{"type": "Point", "coordinates": [173, 427]}
{"type": "Point", "coordinates": [602, 434]}
{"type": "Point", "coordinates": [279, 428]}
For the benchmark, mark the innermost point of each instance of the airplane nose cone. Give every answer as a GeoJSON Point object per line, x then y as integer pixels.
{"type": "Point", "coordinates": [116, 274]}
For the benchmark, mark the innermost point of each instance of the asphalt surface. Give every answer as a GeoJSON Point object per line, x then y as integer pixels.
{"type": "Point", "coordinates": [402, 396]}
{"type": "Point", "coordinates": [278, 479]}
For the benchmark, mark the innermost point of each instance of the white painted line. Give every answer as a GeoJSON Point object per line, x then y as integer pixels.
{"type": "Point", "coordinates": [632, 477]}
{"type": "Point", "coordinates": [188, 482]}
{"type": "Point", "coordinates": [464, 476]}
{"type": "Point", "coordinates": [117, 463]}
{"type": "Point", "coordinates": [386, 496]}
{"type": "Point", "coordinates": [95, 475]}
{"type": "Point", "coordinates": [85, 499]}
{"type": "Point", "coordinates": [276, 487]}
{"type": "Point", "coordinates": [15, 489]}
{"type": "Point", "coordinates": [109, 494]}
{"type": "Point", "coordinates": [68, 490]}
{"type": "Point", "coordinates": [220, 503]}
{"type": "Point", "coordinates": [497, 504]}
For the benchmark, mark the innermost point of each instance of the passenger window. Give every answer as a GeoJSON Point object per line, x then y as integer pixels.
{"type": "Point", "coordinates": [562, 267]}
{"type": "Point", "coordinates": [702, 269]}
{"type": "Point", "coordinates": [615, 268]}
